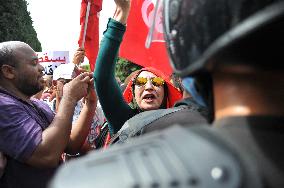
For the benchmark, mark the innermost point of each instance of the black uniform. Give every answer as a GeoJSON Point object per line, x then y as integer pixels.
{"type": "Point", "coordinates": [261, 138]}
{"type": "Point", "coordinates": [236, 152]}
{"type": "Point", "coordinates": [186, 112]}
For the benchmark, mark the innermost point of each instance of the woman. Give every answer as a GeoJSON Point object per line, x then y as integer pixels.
{"type": "Point", "coordinates": [148, 90]}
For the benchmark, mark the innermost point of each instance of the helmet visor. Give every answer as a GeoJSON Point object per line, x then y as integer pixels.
{"type": "Point", "coordinates": [164, 15]}
{"type": "Point", "coordinates": [172, 31]}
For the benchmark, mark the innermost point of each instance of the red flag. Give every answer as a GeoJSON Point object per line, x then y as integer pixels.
{"type": "Point", "coordinates": [138, 25]}
{"type": "Point", "coordinates": [92, 34]}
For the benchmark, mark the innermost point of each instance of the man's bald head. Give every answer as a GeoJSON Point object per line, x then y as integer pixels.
{"type": "Point", "coordinates": [8, 51]}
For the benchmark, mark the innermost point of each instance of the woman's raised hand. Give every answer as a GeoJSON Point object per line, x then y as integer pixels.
{"type": "Point", "coordinates": [122, 10]}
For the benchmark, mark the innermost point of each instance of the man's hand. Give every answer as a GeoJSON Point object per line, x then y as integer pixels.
{"type": "Point", "coordinates": [78, 87]}
{"type": "Point", "coordinates": [79, 56]}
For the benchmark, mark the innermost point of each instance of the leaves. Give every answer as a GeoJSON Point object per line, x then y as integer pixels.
{"type": "Point", "coordinates": [124, 68]}
{"type": "Point", "coordinates": [16, 23]}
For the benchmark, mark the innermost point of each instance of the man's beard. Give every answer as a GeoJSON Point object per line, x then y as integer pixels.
{"type": "Point", "coordinates": [29, 89]}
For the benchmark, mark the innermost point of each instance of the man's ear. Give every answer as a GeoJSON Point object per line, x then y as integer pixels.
{"type": "Point", "coordinates": [8, 71]}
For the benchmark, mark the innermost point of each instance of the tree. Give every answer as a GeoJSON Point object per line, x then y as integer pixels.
{"type": "Point", "coordinates": [124, 68]}
{"type": "Point", "coordinates": [16, 23]}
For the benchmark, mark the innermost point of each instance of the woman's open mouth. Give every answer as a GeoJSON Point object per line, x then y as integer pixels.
{"type": "Point", "coordinates": [149, 97]}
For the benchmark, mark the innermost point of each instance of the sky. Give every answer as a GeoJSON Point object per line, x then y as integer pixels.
{"type": "Point", "coordinates": [57, 22]}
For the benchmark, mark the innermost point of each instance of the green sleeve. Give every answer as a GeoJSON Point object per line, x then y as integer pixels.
{"type": "Point", "coordinates": [116, 110]}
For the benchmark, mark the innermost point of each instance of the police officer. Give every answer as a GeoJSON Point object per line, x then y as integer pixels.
{"type": "Point", "coordinates": [231, 49]}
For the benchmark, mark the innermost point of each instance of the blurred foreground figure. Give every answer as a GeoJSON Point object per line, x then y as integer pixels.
{"type": "Point", "coordinates": [229, 56]}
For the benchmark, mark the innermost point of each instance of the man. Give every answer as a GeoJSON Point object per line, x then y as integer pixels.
{"type": "Point", "coordinates": [31, 137]}
{"type": "Point", "coordinates": [229, 52]}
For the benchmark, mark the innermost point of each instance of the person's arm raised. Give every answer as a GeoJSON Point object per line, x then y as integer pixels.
{"type": "Point", "coordinates": [82, 126]}
{"type": "Point", "coordinates": [56, 137]}
{"type": "Point", "coordinates": [122, 10]}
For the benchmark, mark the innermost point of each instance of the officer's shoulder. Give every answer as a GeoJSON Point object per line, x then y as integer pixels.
{"type": "Point", "coordinates": [178, 156]}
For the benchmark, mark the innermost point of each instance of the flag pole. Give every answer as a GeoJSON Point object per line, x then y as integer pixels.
{"type": "Point", "coordinates": [152, 28]}
{"type": "Point", "coordinates": [86, 24]}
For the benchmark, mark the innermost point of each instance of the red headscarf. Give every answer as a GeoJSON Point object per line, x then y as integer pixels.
{"type": "Point", "coordinates": [173, 93]}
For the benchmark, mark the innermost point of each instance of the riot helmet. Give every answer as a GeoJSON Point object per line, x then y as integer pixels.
{"type": "Point", "coordinates": [200, 32]}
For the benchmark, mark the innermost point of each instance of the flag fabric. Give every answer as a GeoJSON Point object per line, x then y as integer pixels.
{"type": "Point", "coordinates": [138, 26]}
{"type": "Point", "coordinates": [92, 35]}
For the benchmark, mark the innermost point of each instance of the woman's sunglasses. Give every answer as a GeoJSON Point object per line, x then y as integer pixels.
{"type": "Point", "coordinates": [156, 81]}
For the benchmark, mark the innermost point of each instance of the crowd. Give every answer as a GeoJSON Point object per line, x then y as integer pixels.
{"type": "Point", "coordinates": [219, 123]}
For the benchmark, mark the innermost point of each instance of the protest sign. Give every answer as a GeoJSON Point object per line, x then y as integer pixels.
{"type": "Point", "coordinates": [52, 59]}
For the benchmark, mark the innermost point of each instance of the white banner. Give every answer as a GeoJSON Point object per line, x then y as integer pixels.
{"type": "Point", "coordinates": [52, 59]}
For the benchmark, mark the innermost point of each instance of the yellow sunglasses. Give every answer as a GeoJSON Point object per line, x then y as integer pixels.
{"type": "Point", "coordinates": [156, 81]}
